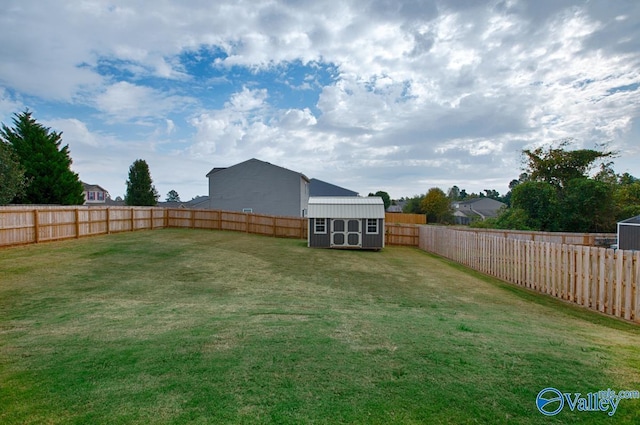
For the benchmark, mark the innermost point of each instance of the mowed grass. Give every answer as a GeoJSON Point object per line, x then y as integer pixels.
{"type": "Point", "coordinates": [183, 326]}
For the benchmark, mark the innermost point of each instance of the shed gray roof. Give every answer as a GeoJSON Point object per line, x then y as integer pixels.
{"type": "Point", "coordinates": [345, 207]}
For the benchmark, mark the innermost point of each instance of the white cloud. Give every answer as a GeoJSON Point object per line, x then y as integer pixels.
{"type": "Point", "coordinates": [423, 90]}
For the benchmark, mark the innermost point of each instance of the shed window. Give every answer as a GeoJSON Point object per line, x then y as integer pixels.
{"type": "Point", "coordinates": [320, 225]}
{"type": "Point", "coordinates": [100, 196]}
{"type": "Point", "coordinates": [91, 196]}
{"type": "Point", "coordinates": [247, 210]}
{"type": "Point", "coordinates": [372, 225]}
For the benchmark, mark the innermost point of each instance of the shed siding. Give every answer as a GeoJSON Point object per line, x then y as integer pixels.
{"type": "Point", "coordinates": [318, 240]}
{"type": "Point", "coordinates": [373, 240]}
{"type": "Point", "coordinates": [629, 236]}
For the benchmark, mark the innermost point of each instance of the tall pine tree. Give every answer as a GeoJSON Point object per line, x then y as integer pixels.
{"type": "Point", "coordinates": [47, 166]}
{"type": "Point", "coordinates": [140, 188]}
{"type": "Point", "coordinates": [12, 180]}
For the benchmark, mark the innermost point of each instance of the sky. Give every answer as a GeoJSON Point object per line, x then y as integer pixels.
{"type": "Point", "coordinates": [392, 95]}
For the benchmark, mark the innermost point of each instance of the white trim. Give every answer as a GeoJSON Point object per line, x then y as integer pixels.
{"type": "Point", "coordinates": [315, 226]}
{"type": "Point", "coordinates": [366, 224]}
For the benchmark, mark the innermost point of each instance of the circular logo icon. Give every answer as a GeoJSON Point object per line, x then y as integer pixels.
{"type": "Point", "coordinates": [550, 401]}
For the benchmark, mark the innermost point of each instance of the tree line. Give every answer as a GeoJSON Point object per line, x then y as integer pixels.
{"type": "Point", "coordinates": [555, 192]}
{"type": "Point", "coordinates": [35, 168]}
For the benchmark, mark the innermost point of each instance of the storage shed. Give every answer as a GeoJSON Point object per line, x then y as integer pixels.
{"type": "Point", "coordinates": [629, 233]}
{"type": "Point", "coordinates": [346, 222]}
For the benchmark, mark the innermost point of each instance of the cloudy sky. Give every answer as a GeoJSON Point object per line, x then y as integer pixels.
{"type": "Point", "coordinates": [373, 95]}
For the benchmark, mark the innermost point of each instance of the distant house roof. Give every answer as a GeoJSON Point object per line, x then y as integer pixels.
{"type": "Point", "coordinates": [198, 202]}
{"type": "Point", "coordinates": [394, 209]}
{"type": "Point", "coordinates": [220, 169]}
{"type": "Point", "coordinates": [483, 207]}
{"type": "Point", "coordinates": [345, 207]}
{"type": "Point", "coordinates": [322, 188]}
{"type": "Point", "coordinates": [92, 187]}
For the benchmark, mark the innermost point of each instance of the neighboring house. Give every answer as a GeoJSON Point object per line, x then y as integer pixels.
{"type": "Point", "coordinates": [629, 233]}
{"type": "Point", "coordinates": [477, 208]}
{"type": "Point", "coordinates": [94, 194]}
{"type": "Point", "coordinates": [321, 188]}
{"type": "Point", "coordinates": [259, 187]}
{"type": "Point", "coordinates": [346, 222]}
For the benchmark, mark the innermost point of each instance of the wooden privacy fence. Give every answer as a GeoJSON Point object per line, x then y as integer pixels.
{"type": "Point", "coordinates": [405, 218]}
{"type": "Point", "coordinates": [282, 227]}
{"type": "Point", "coordinates": [402, 234]}
{"type": "Point", "coordinates": [601, 279]}
{"type": "Point", "coordinates": [25, 225]}
{"type": "Point", "coordinates": [589, 239]}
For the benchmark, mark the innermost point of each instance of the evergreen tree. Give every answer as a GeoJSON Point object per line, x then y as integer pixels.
{"type": "Point", "coordinates": [173, 196]}
{"type": "Point", "coordinates": [12, 179]}
{"type": "Point", "coordinates": [140, 188]}
{"type": "Point", "coordinates": [47, 166]}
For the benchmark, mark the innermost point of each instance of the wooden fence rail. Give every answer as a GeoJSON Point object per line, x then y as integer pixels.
{"type": "Point", "coordinates": [601, 279]}
{"type": "Point", "coordinates": [26, 225]}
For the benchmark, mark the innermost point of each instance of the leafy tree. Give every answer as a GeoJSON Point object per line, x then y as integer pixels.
{"type": "Point", "coordinates": [413, 205]}
{"type": "Point", "coordinates": [140, 188]}
{"type": "Point", "coordinates": [386, 199]}
{"type": "Point", "coordinates": [627, 197]}
{"type": "Point", "coordinates": [12, 179]}
{"type": "Point", "coordinates": [173, 196]}
{"type": "Point", "coordinates": [47, 166]}
{"type": "Point", "coordinates": [557, 166]}
{"type": "Point", "coordinates": [587, 206]}
{"type": "Point", "coordinates": [437, 206]}
{"type": "Point", "coordinates": [539, 202]}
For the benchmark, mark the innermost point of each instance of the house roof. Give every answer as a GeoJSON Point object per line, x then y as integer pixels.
{"type": "Point", "coordinates": [92, 187]}
{"type": "Point", "coordinates": [221, 169]}
{"type": "Point", "coordinates": [345, 207]}
{"type": "Point", "coordinates": [322, 188]}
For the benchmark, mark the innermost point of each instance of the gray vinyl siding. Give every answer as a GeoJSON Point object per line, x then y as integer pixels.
{"type": "Point", "coordinates": [260, 186]}
{"type": "Point", "coordinates": [373, 240]}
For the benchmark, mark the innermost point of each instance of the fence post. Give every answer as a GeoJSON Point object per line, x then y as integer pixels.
{"type": "Point", "coordinates": [36, 225]}
{"type": "Point", "coordinates": [108, 220]}
{"type": "Point", "coordinates": [132, 219]}
{"type": "Point", "coordinates": [77, 214]}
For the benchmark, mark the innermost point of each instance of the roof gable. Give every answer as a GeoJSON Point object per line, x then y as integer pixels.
{"type": "Point", "coordinates": [254, 161]}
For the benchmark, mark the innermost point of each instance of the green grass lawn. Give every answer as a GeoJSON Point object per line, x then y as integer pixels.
{"type": "Point", "coordinates": [184, 326]}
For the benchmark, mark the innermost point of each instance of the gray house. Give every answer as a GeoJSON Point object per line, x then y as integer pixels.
{"type": "Point", "coordinates": [346, 222]}
{"type": "Point", "coordinates": [259, 187]}
{"type": "Point", "coordinates": [629, 233]}
{"type": "Point", "coordinates": [477, 208]}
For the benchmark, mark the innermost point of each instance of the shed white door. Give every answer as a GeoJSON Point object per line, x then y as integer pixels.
{"type": "Point", "coordinates": [346, 233]}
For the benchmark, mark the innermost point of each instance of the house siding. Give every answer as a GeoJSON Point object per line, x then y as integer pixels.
{"type": "Point", "coordinates": [262, 187]}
